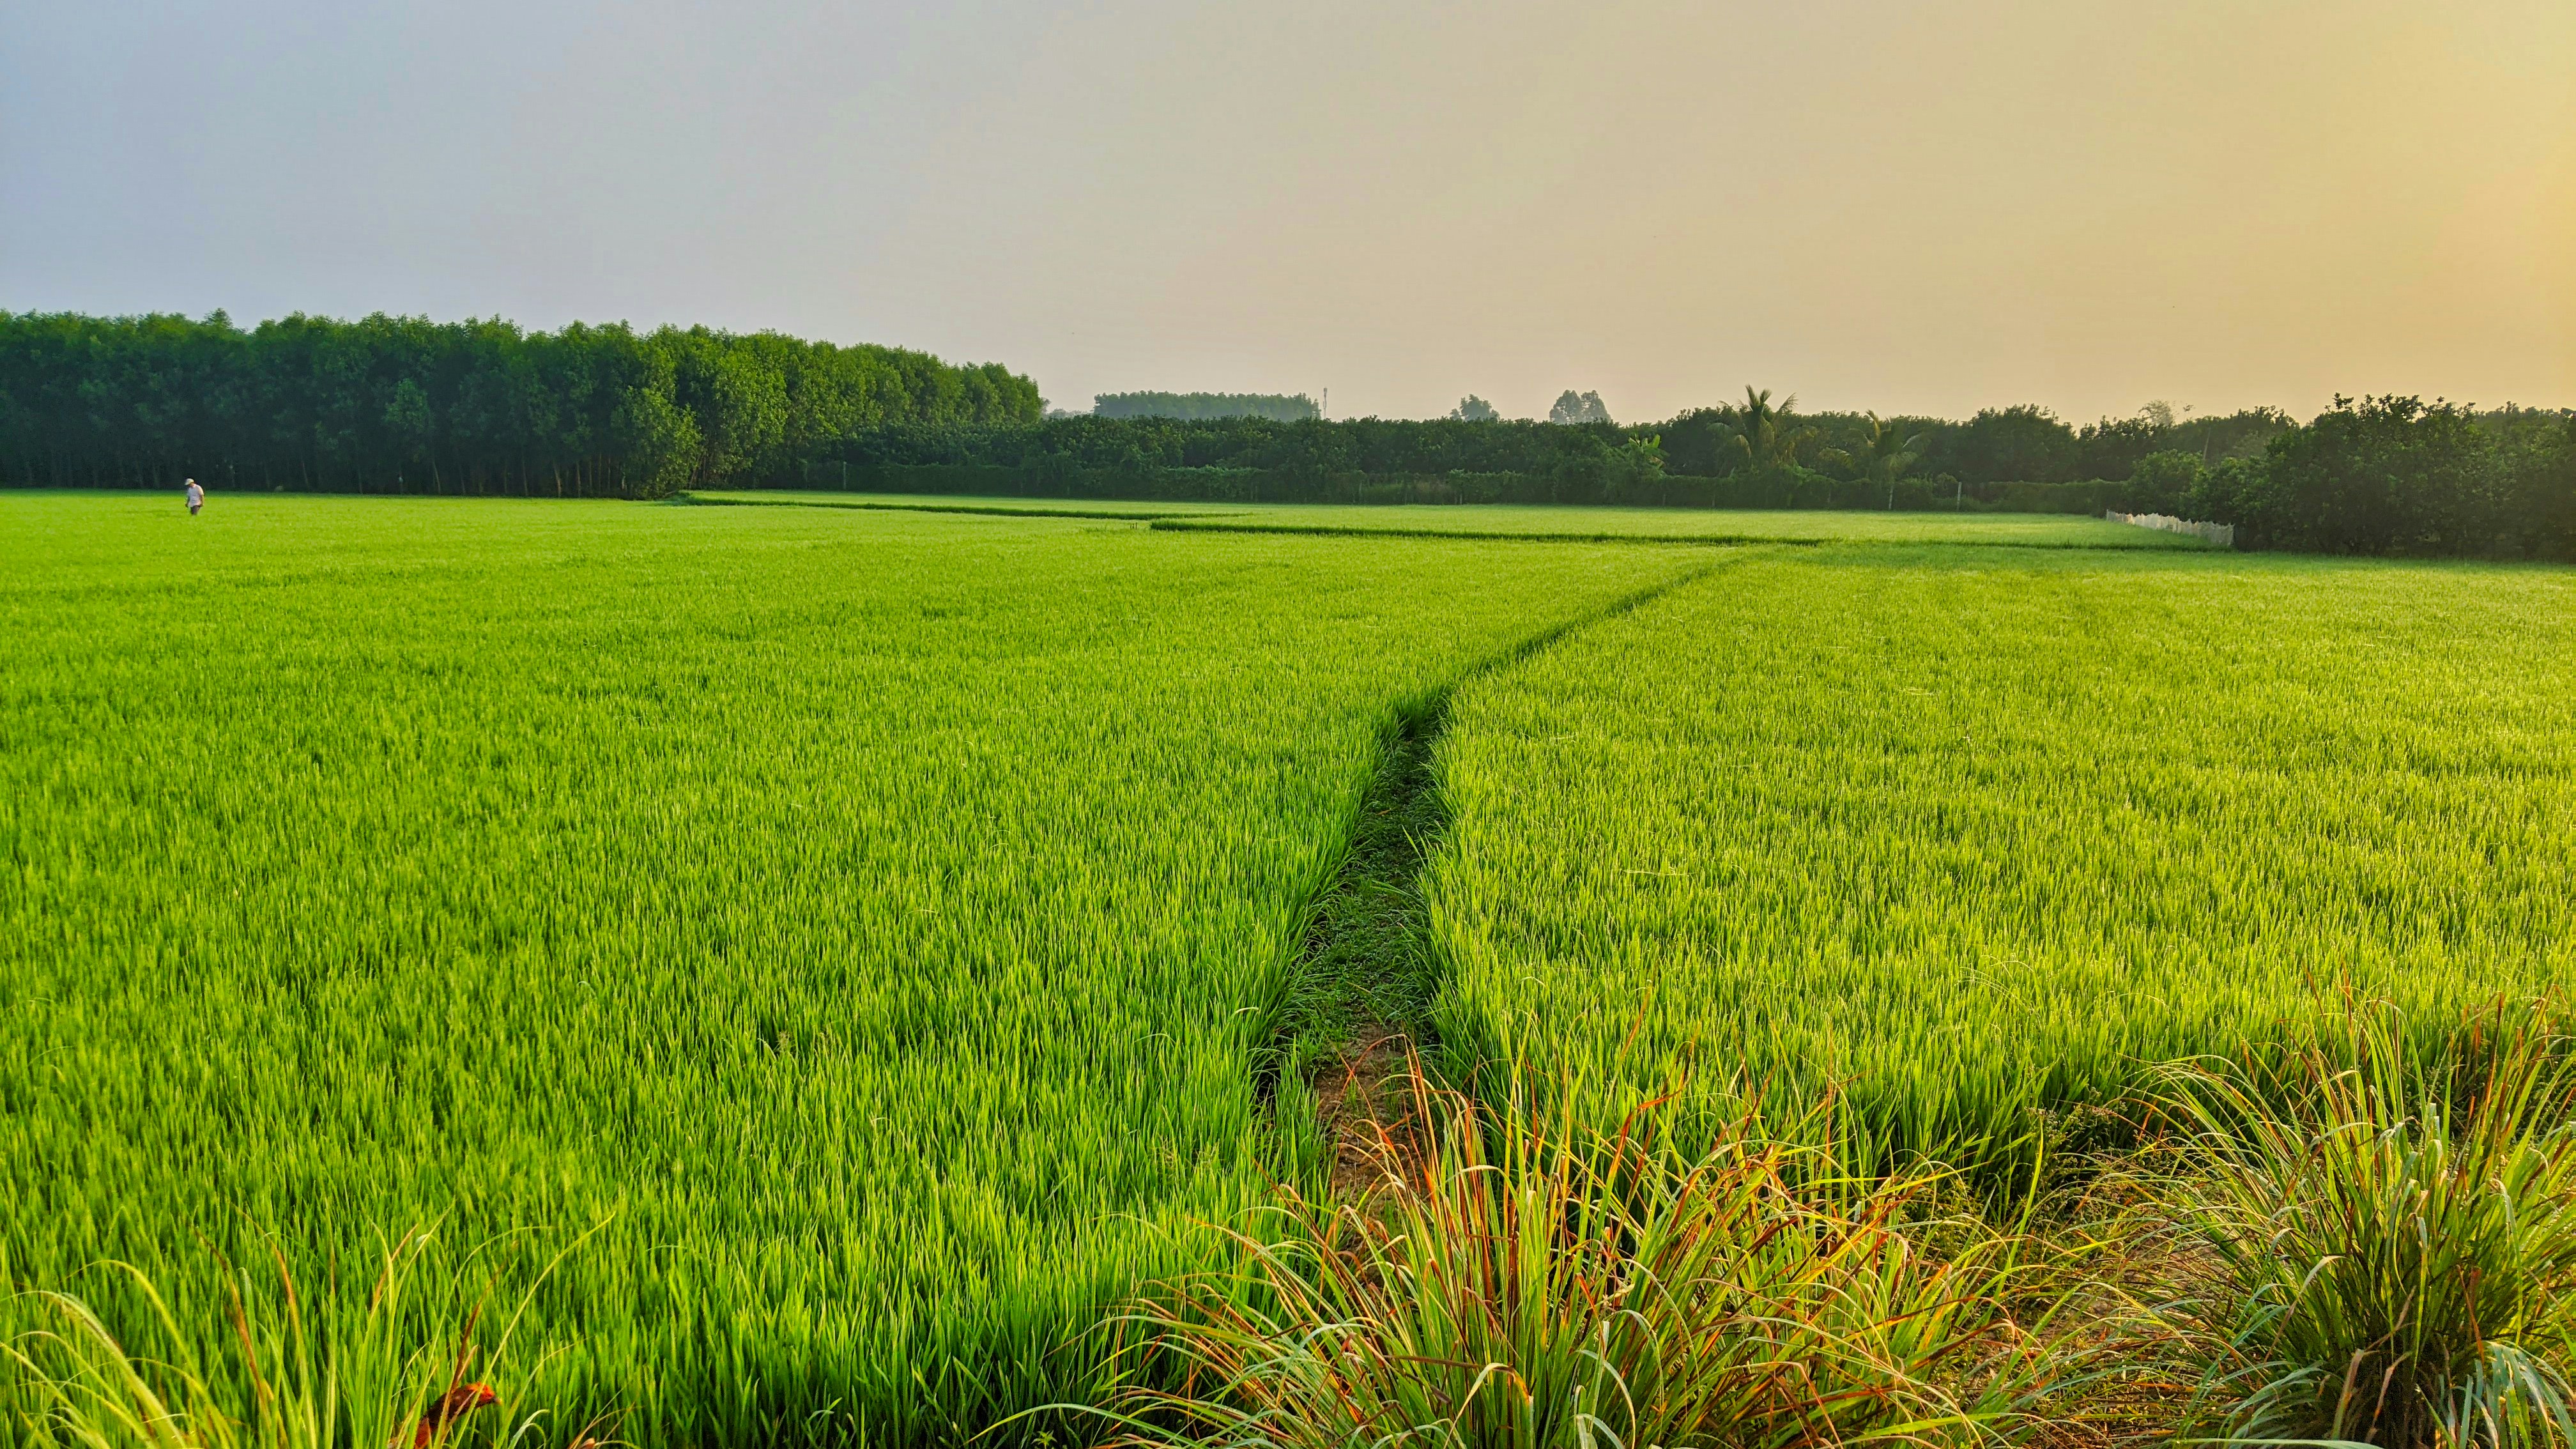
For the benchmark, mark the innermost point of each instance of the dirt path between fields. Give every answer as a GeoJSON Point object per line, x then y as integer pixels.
{"type": "Point", "coordinates": [1367, 973]}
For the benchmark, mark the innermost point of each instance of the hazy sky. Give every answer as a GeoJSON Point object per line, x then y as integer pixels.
{"type": "Point", "coordinates": [1925, 208]}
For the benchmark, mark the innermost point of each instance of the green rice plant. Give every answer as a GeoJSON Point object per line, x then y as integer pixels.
{"type": "Point", "coordinates": [877, 917]}
{"type": "Point", "coordinates": [406, 1366]}
{"type": "Point", "coordinates": [2386, 1247]}
{"type": "Point", "coordinates": [883, 918]}
{"type": "Point", "coordinates": [1521, 1279]}
{"type": "Point", "coordinates": [1975, 838]}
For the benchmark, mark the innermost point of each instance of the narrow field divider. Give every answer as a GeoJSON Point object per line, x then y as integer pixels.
{"type": "Point", "coordinates": [983, 509]}
{"type": "Point", "coordinates": [1201, 523]}
{"type": "Point", "coordinates": [1213, 523]}
{"type": "Point", "coordinates": [1357, 1010]}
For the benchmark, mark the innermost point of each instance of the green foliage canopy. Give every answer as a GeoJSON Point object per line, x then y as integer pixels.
{"type": "Point", "coordinates": [1578, 407]}
{"type": "Point", "coordinates": [1277, 407]}
{"type": "Point", "coordinates": [403, 404]}
{"type": "Point", "coordinates": [2395, 475]}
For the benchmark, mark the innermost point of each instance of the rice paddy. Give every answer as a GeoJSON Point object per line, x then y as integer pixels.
{"type": "Point", "coordinates": [1414, 520]}
{"type": "Point", "coordinates": [877, 921]}
{"type": "Point", "coordinates": [1973, 835]}
{"type": "Point", "coordinates": [1684, 525]}
{"type": "Point", "coordinates": [872, 918]}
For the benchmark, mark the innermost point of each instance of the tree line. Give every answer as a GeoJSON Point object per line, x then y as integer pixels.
{"type": "Point", "coordinates": [1997, 446]}
{"type": "Point", "coordinates": [2388, 475]}
{"type": "Point", "coordinates": [392, 404]}
{"type": "Point", "coordinates": [2397, 475]}
{"type": "Point", "coordinates": [1277, 407]}
{"type": "Point", "coordinates": [1754, 452]}
{"type": "Point", "coordinates": [2019, 444]}
{"type": "Point", "coordinates": [403, 404]}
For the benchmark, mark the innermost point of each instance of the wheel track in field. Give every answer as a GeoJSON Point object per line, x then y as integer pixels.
{"type": "Point", "coordinates": [1358, 1009]}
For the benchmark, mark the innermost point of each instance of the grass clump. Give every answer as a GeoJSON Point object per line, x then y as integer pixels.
{"type": "Point", "coordinates": [2390, 1243]}
{"type": "Point", "coordinates": [408, 1367]}
{"type": "Point", "coordinates": [1516, 1280]}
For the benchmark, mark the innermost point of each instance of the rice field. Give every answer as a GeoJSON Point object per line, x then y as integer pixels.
{"type": "Point", "coordinates": [870, 917]}
{"type": "Point", "coordinates": [1516, 521]}
{"type": "Point", "coordinates": [1975, 834]}
{"type": "Point", "coordinates": [876, 919]}
{"type": "Point", "coordinates": [1685, 525]}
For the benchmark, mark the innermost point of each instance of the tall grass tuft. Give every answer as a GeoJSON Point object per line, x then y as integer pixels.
{"type": "Point", "coordinates": [413, 1374]}
{"type": "Point", "coordinates": [2391, 1240]}
{"type": "Point", "coordinates": [1518, 1283]}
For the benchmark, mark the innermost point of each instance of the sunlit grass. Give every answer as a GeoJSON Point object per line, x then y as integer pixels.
{"type": "Point", "coordinates": [425, 1352]}
{"type": "Point", "coordinates": [1525, 1280]}
{"type": "Point", "coordinates": [881, 918]}
{"type": "Point", "coordinates": [1975, 835]}
{"type": "Point", "coordinates": [876, 917]}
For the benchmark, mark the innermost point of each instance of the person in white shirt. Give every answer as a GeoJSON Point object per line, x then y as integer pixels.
{"type": "Point", "coordinates": [196, 498]}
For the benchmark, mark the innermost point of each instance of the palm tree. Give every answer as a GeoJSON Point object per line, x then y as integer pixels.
{"type": "Point", "coordinates": [1886, 452]}
{"type": "Point", "coordinates": [1769, 444]}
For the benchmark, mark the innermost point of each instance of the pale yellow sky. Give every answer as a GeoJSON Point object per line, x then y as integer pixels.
{"type": "Point", "coordinates": [1906, 207]}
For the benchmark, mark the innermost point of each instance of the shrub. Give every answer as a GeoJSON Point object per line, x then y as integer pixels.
{"type": "Point", "coordinates": [2162, 481]}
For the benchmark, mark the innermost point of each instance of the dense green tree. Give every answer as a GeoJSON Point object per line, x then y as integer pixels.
{"type": "Point", "coordinates": [2163, 482]}
{"type": "Point", "coordinates": [1578, 407]}
{"type": "Point", "coordinates": [1277, 407]}
{"type": "Point", "coordinates": [2242, 434]}
{"type": "Point", "coordinates": [2112, 447]}
{"type": "Point", "coordinates": [1886, 450]}
{"type": "Point", "coordinates": [476, 406]}
{"type": "Point", "coordinates": [2023, 444]}
{"type": "Point", "coordinates": [2399, 475]}
{"type": "Point", "coordinates": [1768, 439]}
{"type": "Point", "coordinates": [1639, 470]}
